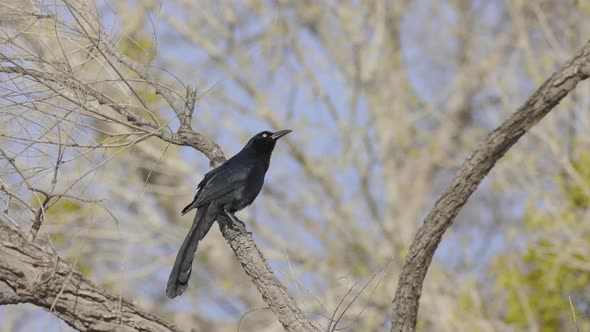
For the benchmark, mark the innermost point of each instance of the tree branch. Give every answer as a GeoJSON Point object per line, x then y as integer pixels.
{"type": "Point", "coordinates": [261, 275]}
{"type": "Point", "coordinates": [41, 278]}
{"type": "Point", "coordinates": [472, 172]}
{"type": "Point", "coordinates": [184, 137]}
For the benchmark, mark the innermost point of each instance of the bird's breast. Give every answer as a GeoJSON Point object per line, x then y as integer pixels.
{"type": "Point", "coordinates": [251, 189]}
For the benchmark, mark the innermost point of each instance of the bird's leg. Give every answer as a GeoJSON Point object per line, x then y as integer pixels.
{"type": "Point", "coordinates": [235, 220]}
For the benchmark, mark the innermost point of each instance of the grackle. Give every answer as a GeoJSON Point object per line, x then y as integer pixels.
{"type": "Point", "coordinates": [226, 189]}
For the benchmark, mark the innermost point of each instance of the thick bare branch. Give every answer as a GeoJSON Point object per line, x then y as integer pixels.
{"type": "Point", "coordinates": [472, 172]}
{"type": "Point", "coordinates": [41, 278]}
{"type": "Point", "coordinates": [271, 289]}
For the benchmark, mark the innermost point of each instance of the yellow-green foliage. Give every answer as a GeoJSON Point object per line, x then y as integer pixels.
{"type": "Point", "coordinates": [542, 287]}
{"type": "Point", "coordinates": [578, 194]}
{"type": "Point", "coordinates": [538, 281]}
{"type": "Point", "coordinates": [137, 47]}
{"type": "Point", "coordinates": [70, 212]}
{"type": "Point", "coordinates": [64, 206]}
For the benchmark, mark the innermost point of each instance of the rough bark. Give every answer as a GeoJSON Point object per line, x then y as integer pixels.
{"type": "Point", "coordinates": [256, 267]}
{"type": "Point", "coordinates": [470, 175]}
{"type": "Point", "coordinates": [39, 277]}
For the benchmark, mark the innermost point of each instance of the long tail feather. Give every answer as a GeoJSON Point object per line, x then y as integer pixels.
{"type": "Point", "coordinates": [181, 271]}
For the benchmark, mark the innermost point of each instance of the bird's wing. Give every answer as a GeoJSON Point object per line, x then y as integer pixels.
{"type": "Point", "coordinates": [210, 174]}
{"type": "Point", "coordinates": [202, 184]}
{"type": "Point", "coordinates": [218, 182]}
{"type": "Point", "coordinates": [222, 183]}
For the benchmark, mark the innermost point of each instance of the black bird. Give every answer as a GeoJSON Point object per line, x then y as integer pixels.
{"type": "Point", "coordinates": [226, 189]}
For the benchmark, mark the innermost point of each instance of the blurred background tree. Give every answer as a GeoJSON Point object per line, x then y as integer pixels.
{"type": "Point", "coordinates": [386, 98]}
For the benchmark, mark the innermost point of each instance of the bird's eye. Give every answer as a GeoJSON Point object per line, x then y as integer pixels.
{"type": "Point", "coordinates": [264, 135]}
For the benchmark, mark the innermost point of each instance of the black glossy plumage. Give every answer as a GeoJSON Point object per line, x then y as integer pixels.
{"type": "Point", "coordinates": [226, 189]}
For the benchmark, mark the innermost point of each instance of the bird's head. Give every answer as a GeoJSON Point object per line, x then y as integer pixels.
{"type": "Point", "coordinates": [264, 142]}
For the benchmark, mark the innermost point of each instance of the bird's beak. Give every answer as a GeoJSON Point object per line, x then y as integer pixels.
{"type": "Point", "coordinates": [280, 134]}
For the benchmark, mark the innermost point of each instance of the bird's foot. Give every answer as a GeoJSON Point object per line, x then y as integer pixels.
{"type": "Point", "coordinates": [237, 222]}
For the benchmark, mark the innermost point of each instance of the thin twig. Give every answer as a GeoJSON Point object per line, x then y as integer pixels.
{"type": "Point", "coordinates": [573, 313]}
